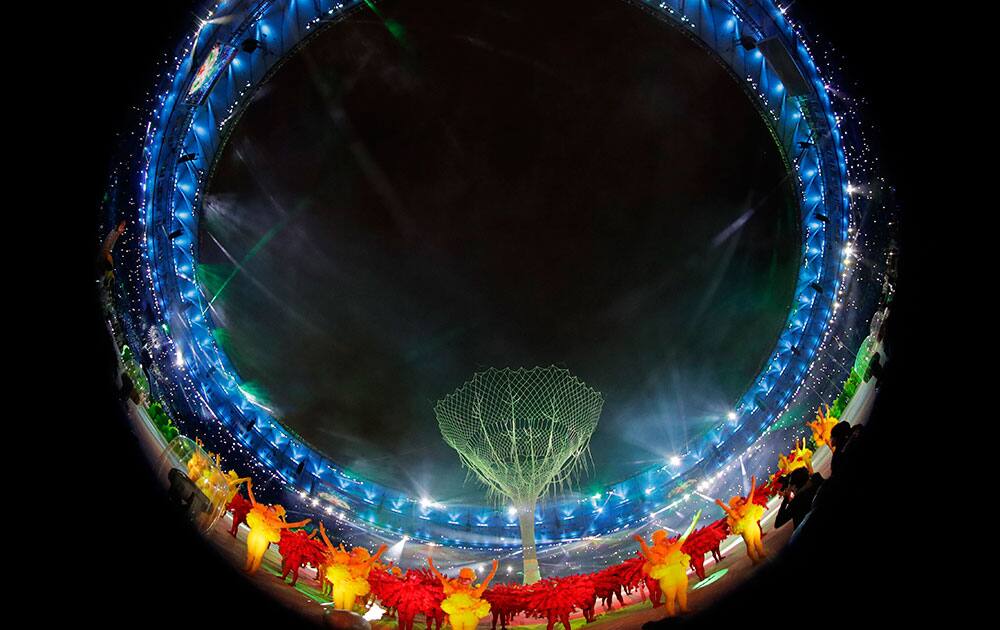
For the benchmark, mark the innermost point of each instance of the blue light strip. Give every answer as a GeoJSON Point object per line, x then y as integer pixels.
{"type": "Point", "coordinates": [170, 193]}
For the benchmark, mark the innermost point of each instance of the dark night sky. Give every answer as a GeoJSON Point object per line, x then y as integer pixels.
{"type": "Point", "coordinates": [487, 183]}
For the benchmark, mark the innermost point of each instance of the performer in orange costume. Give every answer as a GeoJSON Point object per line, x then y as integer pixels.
{"type": "Point", "coordinates": [348, 572]}
{"type": "Point", "coordinates": [800, 457]}
{"type": "Point", "coordinates": [265, 523]}
{"type": "Point", "coordinates": [463, 601]}
{"type": "Point", "coordinates": [822, 426]}
{"type": "Point", "coordinates": [744, 519]}
{"type": "Point", "coordinates": [668, 565]}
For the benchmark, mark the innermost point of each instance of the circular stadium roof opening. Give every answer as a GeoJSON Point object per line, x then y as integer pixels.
{"type": "Point", "coordinates": [439, 187]}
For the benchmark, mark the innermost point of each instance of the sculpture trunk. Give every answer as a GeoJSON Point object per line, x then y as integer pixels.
{"type": "Point", "coordinates": [523, 433]}
{"type": "Point", "coordinates": [526, 518]}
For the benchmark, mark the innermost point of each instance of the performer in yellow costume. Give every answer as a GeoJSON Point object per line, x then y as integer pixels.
{"type": "Point", "coordinates": [822, 426]}
{"type": "Point", "coordinates": [265, 523]}
{"type": "Point", "coordinates": [335, 566]}
{"type": "Point", "coordinates": [668, 564]}
{"type": "Point", "coordinates": [744, 519]}
{"type": "Point", "coordinates": [800, 457]}
{"type": "Point", "coordinates": [463, 601]}
{"type": "Point", "coordinates": [348, 572]}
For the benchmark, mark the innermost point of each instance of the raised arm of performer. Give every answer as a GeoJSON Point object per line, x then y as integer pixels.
{"type": "Point", "coordinates": [437, 574]}
{"type": "Point", "coordinates": [489, 578]}
{"type": "Point", "coordinates": [250, 491]}
{"type": "Point", "coordinates": [378, 553]}
{"type": "Point", "coordinates": [238, 481]}
{"type": "Point", "coordinates": [445, 582]}
{"type": "Point", "coordinates": [725, 507]}
{"type": "Point", "coordinates": [645, 548]}
{"type": "Point", "coordinates": [753, 488]}
{"type": "Point", "coordinates": [322, 532]}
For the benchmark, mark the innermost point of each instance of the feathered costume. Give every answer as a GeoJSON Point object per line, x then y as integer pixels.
{"type": "Point", "coordinates": [265, 523]}
{"type": "Point", "coordinates": [463, 602]}
{"type": "Point", "coordinates": [298, 549]}
{"type": "Point", "coordinates": [822, 426]}
{"type": "Point", "coordinates": [608, 584]}
{"type": "Point", "coordinates": [743, 516]}
{"type": "Point", "coordinates": [348, 572]}
{"type": "Point", "coordinates": [506, 601]}
{"type": "Point", "coordinates": [667, 563]}
{"type": "Point", "coordinates": [240, 507]}
{"type": "Point", "coordinates": [703, 540]}
{"type": "Point", "coordinates": [416, 592]}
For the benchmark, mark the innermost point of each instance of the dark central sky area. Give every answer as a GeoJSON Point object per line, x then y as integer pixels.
{"type": "Point", "coordinates": [457, 185]}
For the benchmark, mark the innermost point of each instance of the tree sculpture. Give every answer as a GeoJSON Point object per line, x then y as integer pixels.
{"type": "Point", "coordinates": [522, 433]}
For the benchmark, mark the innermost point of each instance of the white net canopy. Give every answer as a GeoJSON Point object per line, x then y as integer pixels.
{"type": "Point", "coordinates": [521, 431]}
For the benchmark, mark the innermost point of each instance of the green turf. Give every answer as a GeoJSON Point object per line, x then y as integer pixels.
{"type": "Point", "coordinates": [606, 616]}
{"type": "Point", "coordinates": [718, 575]}
{"type": "Point", "coordinates": [301, 586]}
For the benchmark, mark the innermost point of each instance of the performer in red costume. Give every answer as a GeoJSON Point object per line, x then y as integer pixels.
{"type": "Point", "coordinates": [433, 611]}
{"type": "Point", "coordinates": [545, 600]}
{"type": "Point", "coordinates": [582, 593]}
{"type": "Point", "coordinates": [240, 507]}
{"type": "Point", "coordinates": [414, 593]}
{"type": "Point", "coordinates": [296, 549]}
{"type": "Point", "coordinates": [630, 573]}
{"type": "Point", "coordinates": [555, 599]}
{"type": "Point", "coordinates": [608, 584]}
{"type": "Point", "coordinates": [386, 583]}
{"type": "Point", "coordinates": [703, 540]}
{"type": "Point", "coordinates": [506, 601]}
{"type": "Point", "coordinates": [655, 594]}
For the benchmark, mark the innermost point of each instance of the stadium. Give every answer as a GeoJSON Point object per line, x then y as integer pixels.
{"type": "Point", "coordinates": [178, 284]}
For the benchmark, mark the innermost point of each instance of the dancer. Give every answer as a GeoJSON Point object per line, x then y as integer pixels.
{"type": "Point", "coordinates": [435, 588]}
{"type": "Point", "coordinates": [655, 594]}
{"type": "Point", "coordinates": [822, 426]}
{"type": "Point", "coordinates": [348, 572]}
{"type": "Point", "coordinates": [608, 584]}
{"type": "Point", "coordinates": [743, 518]}
{"type": "Point", "coordinates": [463, 603]}
{"type": "Point", "coordinates": [800, 457]}
{"type": "Point", "coordinates": [631, 574]}
{"type": "Point", "coordinates": [295, 548]}
{"type": "Point", "coordinates": [265, 523]}
{"type": "Point", "coordinates": [386, 585]}
{"type": "Point", "coordinates": [582, 594]}
{"type": "Point", "coordinates": [704, 540]}
{"type": "Point", "coordinates": [240, 507]}
{"type": "Point", "coordinates": [547, 600]}
{"type": "Point", "coordinates": [668, 565]}
{"type": "Point", "coordinates": [506, 600]}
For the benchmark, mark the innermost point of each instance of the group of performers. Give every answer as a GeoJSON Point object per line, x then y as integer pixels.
{"type": "Point", "coordinates": [659, 570]}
